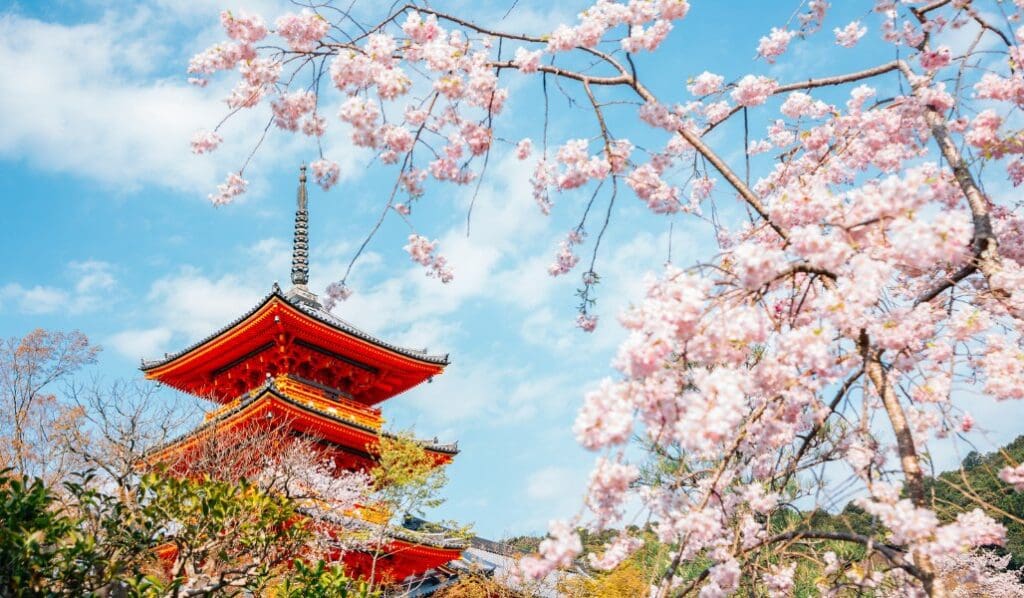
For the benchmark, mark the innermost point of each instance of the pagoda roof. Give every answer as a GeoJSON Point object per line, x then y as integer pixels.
{"type": "Point", "coordinates": [443, 451]}
{"type": "Point", "coordinates": [317, 312]}
{"type": "Point", "coordinates": [385, 368]}
{"type": "Point", "coordinates": [405, 534]}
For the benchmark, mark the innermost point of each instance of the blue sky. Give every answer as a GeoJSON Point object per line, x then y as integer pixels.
{"type": "Point", "coordinates": [108, 229]}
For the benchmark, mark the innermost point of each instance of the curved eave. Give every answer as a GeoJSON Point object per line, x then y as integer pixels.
{"type": "Point", "coordinates": [318, 314]}
{"type": "Point", "coordinates": [414, 538]}
{"type": "Point", "coordinates": [447, 450]}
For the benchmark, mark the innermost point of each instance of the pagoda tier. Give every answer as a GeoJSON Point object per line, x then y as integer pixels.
{"type": "Point", "coordinates": [288, 334]}
{"type": "Point", "coordinates": [346, 429]}
{"type": "Point", "coordinates": [402, 558]}
{"type": "Point", "coordinates": [404, 553]}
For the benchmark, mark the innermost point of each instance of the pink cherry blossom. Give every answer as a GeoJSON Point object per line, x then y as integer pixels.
{"type": "Point", "coordinates": [716, 111]}
{"type": "Point", "coordinates": [556, 551]}
{"type": "Point", "coordinates": [1003, 365]}
{"type": "Point", "coordinates": [524, 148]}
{"type": "Point", "coordinates": [231, 188]}
{"type": "Point", "coordinates": [565, 259]}
{"type": "Point", "coordinates": [774, 44]}
{"type": "Point", "coordinates": [609, 483]}
{"type": "Point", "coordinates": [753, 90]}
{"type": "Point", "coordinates": [606, 417]}
{"type": "Point", "coordinates": [205, 141]}
{"type": "Point", "coordinates": [857, 281]}
{"type": "Point", "coordinates": [527, 61]}
{"type": "Point", "coordinates": [222, 56]}
{"type": "Point", "coordinates": [1015, 169]}
{"type": "Point", "coordinates": [421, 30]}
{"type": "Point", "coordinates": [391, 82]}
{"type": "Point", "coordinates": [380, 47]}
{"type": "Point", "coordinates": [422, 252]}
{"type": "Point", "coordinates": [724, 578]}
{"type": "Point", "coordinates": [289, 108]}
{"type": "Point", "coordinates": [705, 84]}
{"type": "Point", "coordinates": [326, 173]}
{"type": "Point", "coordinates": [336, 293]}
{"type": "Point", "coordinates": [849, 35]}
{"type": "Point", "coordinates": [798, 104]}
{"type": "Point", "coordinates": [562, 39]}
{"type": "Point", "coordinates": [648, 185]}
{"type": "Point", "coordinates": [586, 322]}
{"type": "Point", "coordinates": [619, 550]}
{"type": "Point", "coordinates": [242, 27]}
{"type": "Point", "coordinates": [352, 70]}
{"type": "Point", "coordinates": [779, 580]}
{"type": "Point", "coordinates": [302, 31]}
{"type": "Point", "coordinates": [935, 59]}
{"type": "Point", "coordinates": [396, 138]}
{"type": "Point", "coordinates": [649, 38]}
{"type": "Point", "coordinates": [984, 132]}
{"type": "Point", "coordinates": [1013, 476]}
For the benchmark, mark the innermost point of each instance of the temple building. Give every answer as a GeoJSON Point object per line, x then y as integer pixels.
{"type": "Point", "coordinates": [288, 359]}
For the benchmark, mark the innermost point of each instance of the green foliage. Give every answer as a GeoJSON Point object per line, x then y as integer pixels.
{"type": "Point", "coordinates": [628, 579]}
{"type": "Point", "coordinates": [977, 485]}
{"type": "Point", "coordinates": [149, 540]}
{"type": "Point", "coordinates": [407, 479]}
{"type": "Point", "coordinates": [207, 512]}
{"type": "Point", "coordinates": [322, 581]}
{"type": "Point", "coordinates": [39, 542]}
{"type": "Point", "coordinates": [524, 544]}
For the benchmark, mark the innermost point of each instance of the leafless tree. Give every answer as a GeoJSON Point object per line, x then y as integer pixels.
{"type": "Point", "coordinates": [30, 415]}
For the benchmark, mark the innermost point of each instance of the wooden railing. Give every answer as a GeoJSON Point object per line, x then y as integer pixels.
{"type": "Point", "coordinates": [314, 397]}
{"type": "Point", "coordinates": [373, 513]}
{"type": "Point", "coordinates": [319, 399]}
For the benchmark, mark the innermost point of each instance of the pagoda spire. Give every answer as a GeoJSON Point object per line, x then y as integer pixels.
{"type": "Point", "coordinates": [300, 247]}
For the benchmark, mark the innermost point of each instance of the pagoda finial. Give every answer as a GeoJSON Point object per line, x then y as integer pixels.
{"type": "Point", "coordinates": [300, 246]}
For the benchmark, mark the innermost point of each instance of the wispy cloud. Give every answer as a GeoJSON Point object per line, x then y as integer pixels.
{"type": "Point", "coordinates": [91, 283]}
{"type": "Point", "coordinates": [89, 100]}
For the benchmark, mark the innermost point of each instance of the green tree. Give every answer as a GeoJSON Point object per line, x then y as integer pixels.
{"type": "Point", "coordinates": [322, 581]}
{"type": "Point", "coordinates": [976, 484]}
{"type": "Point", "coordinates": [175, 537]}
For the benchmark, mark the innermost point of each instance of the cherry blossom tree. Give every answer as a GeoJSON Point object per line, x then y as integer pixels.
{"type": "Point", "coordinates": [873, 279]}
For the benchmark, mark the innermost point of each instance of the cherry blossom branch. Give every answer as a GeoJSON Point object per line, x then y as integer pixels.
{"type": "Point", "coordinates": [892, 553]}
{"type": "Point", "coordinates": [815, 83]}
{"type": "Point", "coordinates": [985, 244]}
{"type": "Point", "coordinates": [910, 461]}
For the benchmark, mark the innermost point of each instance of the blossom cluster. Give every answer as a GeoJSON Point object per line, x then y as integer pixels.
{"type": "Point", "coordinates": [422, 251]}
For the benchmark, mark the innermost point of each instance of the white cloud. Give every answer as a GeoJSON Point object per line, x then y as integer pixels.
{"type": "Point", "coordinates": [556, 492]}
{"type": "Point", "coordinates": [74, 108]}
{"type": "Point", "coordinates": [142, 344]}
{"type": "Point", "coordinates": [34, 300]}
{"type": "Point", "coordinates": [83, 99]}
{"type": "Point", "coordinates": [185, 307]}
{"type": "Point", "coordinates": [93, 276]}
{"type": "Point", "coordinates": [194, 305]}
{"type": "Point", "coordinates": [550, 483]}
{"type": "Point", "coordinates": [91, 282]}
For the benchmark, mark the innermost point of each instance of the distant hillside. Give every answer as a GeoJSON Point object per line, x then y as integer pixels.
{"type": "Point", "coordinates": [977, 485]}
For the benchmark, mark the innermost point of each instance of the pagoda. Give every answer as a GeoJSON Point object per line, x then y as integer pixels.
{"type": "Point", "coordinates": [289, 359]}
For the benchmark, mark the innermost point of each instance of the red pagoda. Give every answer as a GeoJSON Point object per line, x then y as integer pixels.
{"type": "Point", "coordinates": [289, 359]}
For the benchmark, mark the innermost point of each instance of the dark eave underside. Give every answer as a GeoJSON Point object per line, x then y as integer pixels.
{"type": "Point", "coordinates": [317, 313]}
